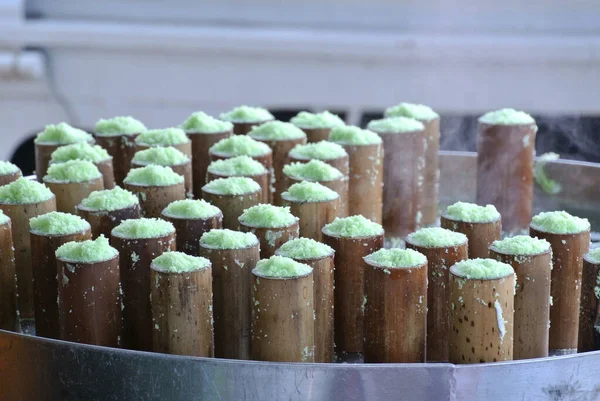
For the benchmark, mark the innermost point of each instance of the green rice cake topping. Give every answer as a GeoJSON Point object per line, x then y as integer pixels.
{"type": "Point", "coordinates": [304, 248]}
{"type": "Point", "coordinates": [57, 223]}
{"type": "Point", "coordinates": [240, 145]}
{"type": "Point", "coordinates": [351, 135]}
{"type": "Point", "coordinates": [353, 227]}
{"type": "Point", "coordinates": [110, 199]}
{"type": "Point", "coordinates": [162, 156]}
{"type": "Point", "coordinates": [246, 114]}
{"type": "Point", "coordinates": [314, 170]}
{"type": "Point", "coordinates": [80, 151]}
{"type": "Point", "coordinates": [89, 251]}
{"type": "Point", "coordinates": [322, 150]}
{"type": "Point", "coordinates": [396, 125]}
{"type": "Point", "coordinates": [23, 191]}
{"type": "Point", "coordinates": [394, 258]}
{"type": "Point", "coordinates": [594, 257]}
{"type": "Point", "coordinates": [153, 175]}
{"type": "Point", "coordinates": [482, 269]}
{"type": "Point", "coordinates": [7, 168]}
{"type": "Point", "coordinates": [62, 134]}
{"type": "Point", "coordinates": [228, 239]}
{"type": "Point", "coordinates": [237, 166]}
{"type": "Point", "coordinates": [201, 123]}
{"type": "Point", "coordinates": [232, 186]}
{"type": "Point", "coordinates": [521, 245]}
{"type": "Point", "coordinates": [191, 209]}
{"type": "Point", "coordinates": [179, 262]}
{"type": "Point", "coordinates": [265, 215]}
{"type": "Point", "coordinates": [281, 267]}
{"type": "Point", "coordinates": [72, 171]}
{"type": "Point", "coordinates": [412, 110]}
{"type": "Point", "coordinates": [276, 131]}
{"type": "Point", "coordinates": [305, 119]}
{"type": "Point", "coordinates": [143, 228]}
{"type": "Point", "coordinates": [559, 223]}
{"type": "Point", "coordinates": [472, 213]}
{"type": "Point", "coordinates": [121, 125]}
{"type": "Point", "coordinates": [307, 191]}
{"type": "Point", "coordinates": [162, 137]}
{"type": "Point", "coordinates": [506, 117]}
{"type": "Point", "coordinates": [436, 237]}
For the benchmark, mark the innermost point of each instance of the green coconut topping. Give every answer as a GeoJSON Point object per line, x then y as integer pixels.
{"type": "Point", "coordinates": [89, 251]}
{"type": "Point", "coordinates": [314, 170]}
{"type": "Point", "coordinates": [307, 191]}
{"type": "Point", "coordinates": [62, 134]}
{"type": "Point", "coordinates": [594, 257]}
{"type": "Point", "coordinates": [540, 175]}
{"type": "Point", "coordinates": [143, 228]}
{"type": "Point", "coordinates": [353, 227]}
{"type": "Point", "coordinates": [304, 248]}
{"type": "Point", "coordinates": [351, 135]}
{"type": "Point", "coordinates": [396, 258]}
{"type": "Point", "coordinates": [305, 119]}
{"type": "Point", "coordinates": [121, 125]}
{"type": "Point", "coordinates": [228, 239]}
{"type": "Point", "coordinates": [396, 125]}
{"type": "Point", "coordinates": [201, 123]}
{"type": "Point", "coordinates": [110, 199]}
{"type": "Point", "coordinates": [559, 223]}
{"type": "Point", "coordinates": [237, 166]}
{"type": "Point", "coordinates": [7, 168]}
{"type": "Point", "coordinates": [72, 171]}
{"type": "Point", "coordinates": [482, 269]}
{"type": "Point", "coordinates": [281, 267]}
{"type": "Point", "coordinates": [57, 223]}
{"type": "Point", "coordinates": [179, 262]}
{"type": "Point", "coordinates": [275, 131]}
{"type": "Point", "coordinates": [521, 245]}
{"type": "Point", "coordinates": [506, 117]}
{"type": "Point", "coordinates": [162, 137]}
{"type": "Point", "coordinates": [162, 156]}
{"type": "Point", "coordinates": [240, 145]}
{"type": "Point", "coordinates": [436, 237]}
{"type": "Point", "coordinates": [412, 110]}
{"type": "Point", "coordinates": [472, 213]}
{"type": "Point", "coordinates": [232, 186]}
{"type": "Point", "coordinates": [322, 150]}
{"type": "Point", "coordinates": [3, 218]}
{"type": "Point", "coordinates": [80, 151]}
{"type": "Point", "coordinates": [246, 114]}
{"type": "Point", "coordinates": [153, 175]}
{"type": "Point", "coordinates": [24, 191]}
{"type": "Point", "coordinates": [191, 209]}
{"type": "Point", "coordinates": [265, 215]}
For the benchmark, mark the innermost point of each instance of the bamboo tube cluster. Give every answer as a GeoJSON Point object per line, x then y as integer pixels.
{"type": "Point", "coordinates": [313, 216]}
{"type": "Point", "coordinates": [201, 144]}
{"type": "Point", "coordinates": [339, 185]}
{"type": "Point", "coordinates": [261, 179]}
{"type": "Point", "coordinates": [153, 199]}
{"type": "Point", "coordinates": [103, 221]}
{"type": "Point", "coordinates": [232, 206]}
{"type": "Point", "coordinates": [70, 194]}
{"type": "Point", "coordinates": [183, 169]}
{"type": "Point", "coordinates": [480, 234]}
{"type": "Point", "coordinates": [121, 148]}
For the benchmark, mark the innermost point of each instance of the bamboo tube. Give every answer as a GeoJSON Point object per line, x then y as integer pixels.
{"type": "Point", "coordinates": [19, 215]}
{"type": "Point", "coordinates": [232, 297]}
{"type": "Point", "coordinates": [341, 163]}
{"type": "Point", "coordinates": [589, 316]}
{"type": "Point", "coordinates": [189, 230]}
{"type": "Point", "coordinates": [201, 143]}
{"type": "Point", "coordinates": [283, 318]}
{"type": "Point", "coordinates": [182, 312]}
{"type": "Point", "coordinates": [242, 128]}
{"type": "Point", "coordinates": [431, 185]}
{"type": "Point", "coordinates": [8, 178]}
{"type": "Point", "coordinates": [567, 260]}
{"type": "Point", "coordinates": [316, 134]}
{"type": "Point", "coordinates": [480, 235]}
{"type": "Point", "coordinates": [313, 216]}
{"type": "Point", "coordinates": [395, 313]}
{"type": "Point", "coordinates": [232, 206]}
{"type": "Point", "coordinates": [185, 148]}
{"type": "Point", "coordinates": [89, 302]}
{"type": "Point", "coordinates": [339, 185]}
{"type": "Point", "coordinates": [153, 199]}
{"type": "Point", "coordinates": [122, 149]}
{"type": "Point", "coordinates": [271, 238]}
{"type": "Point", "coordinates": [45, 279]}
{"type": "Point", "coordinates": [43, 154]}
{"type": "Point", "coordinates": [183, 169]}
{"type": "Point", "coordinates": [136, 257]}
{"type": "Point", "coordinates": [103, 221]}
{"type": "Point", "coordinates": [70, 194]}
{"type": "Point", "coordinates": [106, 169]}
{"type": "Point", "coordinates": [8, 284]}
{"type": "Point", "coordinates": [261, 179]}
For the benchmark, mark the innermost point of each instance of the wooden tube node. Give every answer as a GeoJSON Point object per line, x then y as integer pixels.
{"type": "Point", "coordinates": [107, 170]}
{"type": "Point", "coordinates": [185, 148]}
{"type": "Point", "coordinates": [271, 238]}
{"type": "Point", "coordinates": [260, 179]}
{"type": "Point", "coordinates": [8, 178]}
{"type": "Point", "coordinates": [189, 231]}
{"type": "Point", "coordinates": [480, 235]}
{"type": "Point", "coordinates": [339, 185]}
{"type": "Point", "coordinates": [232, 206]}
{"type": "Point", "coordinates": [70, 194]}
{"type": "Point", "coordinates": [316, 134]}
{"type": "Point", "coordinates": [589, 316]}
{"type": "Point", "coordinates": [103, 221]}
{"type": "Point", "coordinates": [201, 143]}
{"type": "Point", "coordinates": [183, 169]}
{"type": "Point", "coordinates": [122, 149]}
{"type": "Point", "coordinates": [8, 283]}
{"type": "Point", "coordinates": [341, 163]}
{"type": "Point", "coordinates": [431, 185]}
{"type": "Point", "coordinates": [313, 216]}
{"type": "Point", "coordinates": [153, 199]}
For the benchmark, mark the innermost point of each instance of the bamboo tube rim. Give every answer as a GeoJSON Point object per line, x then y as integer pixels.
{"type": "Point", "coordinates": [155, 186]}
{"type": "Point", "coordinates": [39, 234]}
{"type": "Point", "coordinates": [229, 249]}
{"type": "Point", "coordinates": [521, 255]}
{"type": "Point", "coordinates": [444, 215]}
{"type": "Point", "coordinates": [51, 181]}
{"type": "Point", "coordinates": [104, 211]}
{"type": "Point", "coordinates": [485, 125]}
{"type": "Point", "coordinates": [418, 131]}
{"type": "Point", "coordinates": [167, 235]}
{"type": "Point", "coordinates": [315, 259]}
{"type": "Point", "coordinates": [138, 164]}
{"type": "Point", "coordinates": [303, 159]}
{"type": "Point", "coordinates": [295, 223]}
{"type": "Point", "coordinates": [257, 274]}
{"type": "Point", "coordinates": [452, 270]}
{"type": "Point", "coordinates": [228, 155]}
{"type": "Point", "coordinates": [162, 146]}
{"type": "Point", "coordinates": [377, 266]}
{"type": "Point", "coordinates": [28, 204]}
{"type": "Point", "coordinates": [288, 199]}
{"type": "Point", "coordinates": [219, 175]}
{"type": "Point", "coordinates": [532, 227]}
{"type": "Point", "coordinates": [259, 190]}
{"type": "Point", "coordinates": [297, 179]}
{"type": "Point", "coordinates": [77, 263]}
{"type": "Point", "coordinates": [219, 214]}
{"type": "Point", "coordinates": [436, 247]}
{"type": "Point", "coordinates": [339, 237]}
{"type": "Point", "coordinates": [208, 266]}
{"type": "Point", "coordinates": [229, 131]}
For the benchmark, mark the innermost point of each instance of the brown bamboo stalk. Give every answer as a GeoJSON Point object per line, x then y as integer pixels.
{"type": "Point", "coordinates": [339, 185]}
{"type": "Point", "coordinates": [313, 216]}
{"type": "Point", "coordinates": [261, 179]}
{"type": "Point", "coordinates": [183, 169]}
{"type": "Point", "coordinates": [242, 128]}
{"type": "Point", "coordinates": [189, 231]}
{"type": "Point", "coordinates": [89, 302]}
{"type": "Point", "coordinates": [45, 279]}
{"type": "Point", "coordinates": [431, 184]}
{"type": "Point", "coordinates": [122, 149]}
{"type": "Point", "coordinates": [232, 310]}
{"type": "Point", "coordinates": [481, 319]}
{"type": "Point", "coordinates": [349, 290]}
{"type": "Point", "coordinates": [185, 148]}
{"type": "Point", "coordinates": [232, 206]}
{"type": "Point", "coordinates": [341, 163]}
{"type": "Point", "coordinates": [153, 199]}
{"type": "Point", "coordinates": [283, 325]}
{"type": "Point", "coordinates": [108, 175]}
{"type": "Point", "coordinates": [480, 235]}
{"type": "Point", "coordinates": [182, 312]}
{"type": "Point", "coordinates": [43, 155]}
{"type": "Point", "coordinates": [201, 143]}
{"type": "Point", "coordinates": [8, 284]}
{"type": "Point", "coordinates": [589, 316]}
{"type": "Point", "coordinates": [8, 178]}
{"type": "Point", "coordinates": [103, 221]}
{"type": "Point", "coordinates": [532, 302]}
{"type": "Point", "coordinates": [567, 260]}
{"type": "Point", "coordinates": [271, 238]}
{"type": "Point", "coordinates": [70, 194]}
{"type": "Point", "coordinates": [136, 256]}
{"type": "Point", "coordinates": [316, 134]}
{"type": "Point", "coordinates": [439, 261]}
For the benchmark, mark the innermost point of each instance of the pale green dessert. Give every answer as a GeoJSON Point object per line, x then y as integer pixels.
{"type": "Point", "coordinates": [162, 137]}
{"type": "Point", "coordinates": [3, 218]}
{"type": "Point", "coordinates": [307, 191]}
{"type": "Point", "coordinates": [232, 186]}
{"type": "Point", "coordinates": [162, 156]}
{"type": "Point", "coordinates": [314, 170]}
{"type": "Point", "coordinates": [396, 125]}
{"type": "Point", "coordinates": [412, 110]}
{"type": "Point", "coordinates": [269, 216]}
{"type": "Point", "coordinates": [143, 228]}
{"type": "Point", "coordinates": [304, 248]}
{"type": "Point", "coordinates": [281, 267]}
{"type": "Point", "coordinates": [191, 209]}
{"type": "Point", "coordinates": [276, 131]}
{"type": "Point", "coordinates": [62, 134]}
{"type": "Point", "coordinates": [351, 135]}
{"type": "Point", "coordinates": [540, 176]}
{"type": "Point", "coordinates": [7, 168]}
{"type": "Point", "coordinates": [436, 237]}
{"type": "Point", "coordinates": [228, 239]}
{"type": "Point", "coordinates": [353, 227]}
{"type": "Point", "coordinates": [322, 150]}
{"type": "Point", "coordinates": [472, 213]}
{"type": "Point", "coordinates": [90, 251]}
{"type": "Point", "coordinates": [305, 119]}
{"type": "Point", "coordinates": [23, 191]}
{"type": "Point", "coordinates": [482, 269]}
{"type": "Point", "coordinates": [506, 117]}
{"type": "Point", "coordinates": [57, 223]}
{"type": "Point", "coordinates": [110, 199]}
{"type": "Point", "coordinates": [240, 145]}
{"type": "Point", "coordinates": [237, 166]}
{"type": "Point", "coordinates": [121, 125]}
{"type": "Point", "coordinates": [593, 256]}
{"type": "Point", "coordinates": [246, 114]}
{"type": "Point", "coordinates": [559, 223]}
{"type": "Point", "coordinates": [521, 245]}
{"type": "Point", "coordinates": [152, 175]}
{"type": "Point", "coordinates": [179, 262]}
{"type": "Point", "coordinates": [201, 123]}
{"type": "Point", "coordinates": [79, 151]}
{"type": "Point", "coordinates": [395, 257]}
{"type": "Point", "coordinates": [72, 171]}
